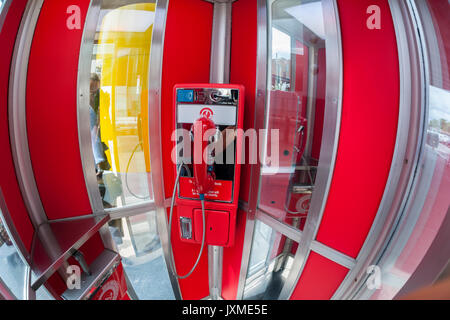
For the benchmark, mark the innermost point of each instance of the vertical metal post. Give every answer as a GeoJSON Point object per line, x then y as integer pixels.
{"type": "Point", "coordinates": [219, 73]}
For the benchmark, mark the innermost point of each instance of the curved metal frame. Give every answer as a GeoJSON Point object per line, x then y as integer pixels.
{"type": "Point", "coordinates": [326, 163]}
{"type": "Point", "coordinates": [332, 120]}
{"type": "Point", "coordinates": [19, 136]}
{"type": "Point", "coordinates": [84, 134]}
{"type": "Point", "coordinates": [159, 204]}
{"type": "Point", "coordinates": [408, 146]}
{"type": "Point", "coordinates": [17, 114]}
{"type": "Point", "coordinates": [417, 194]}
{"type": "Point", "coordinates": [154, 109]}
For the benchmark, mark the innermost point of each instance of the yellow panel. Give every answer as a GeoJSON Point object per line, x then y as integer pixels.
{"type": "Point", "coordinates": [124, 53]}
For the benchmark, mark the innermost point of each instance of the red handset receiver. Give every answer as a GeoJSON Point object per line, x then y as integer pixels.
{"type": "Point", "coordinates": [204, 176]}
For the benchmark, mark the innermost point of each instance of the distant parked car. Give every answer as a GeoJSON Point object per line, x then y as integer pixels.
{"type": "Point", "coordinates": [433, 139]}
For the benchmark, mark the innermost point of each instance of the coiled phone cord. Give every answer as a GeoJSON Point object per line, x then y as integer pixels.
{"type": "Point", "coordinates": [172, 203]}
{"type": "Point", "coordinates": [126, 176]}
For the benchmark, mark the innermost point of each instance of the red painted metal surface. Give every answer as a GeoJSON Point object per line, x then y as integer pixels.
{"type": "Point", "coordinates": [232, 258]}
{"type": "Point", "coordinates": [52, 112]}
{"type": "Point", "coordinates": [8, 179]}
{"type": "Point", "coordinates": [222, 190]}
{"type": "Point", "coordinates": [319, 280]}
{"type": "Point", "coordinates": [368, 127]}
{"type": "Point", "coordinates": [242, 71]}
{"type": "Point", "coordinates": [196, 286]}
{"type": "Point", "coordinates": [187, 49]}
{"type": "Point", "coordinates": [217, 227]}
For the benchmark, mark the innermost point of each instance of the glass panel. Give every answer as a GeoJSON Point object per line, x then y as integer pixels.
{"type": "Point", "coordinates": [142, 256]}
{"type": "Point", "coordinates": [43, 294]}
{"type": "Point", "coordinates": [270, 262]}
{"type": "Point", "coordinates": [12, 268]}
{"type": "Point", "coordinates": [2, 4]}
{"type": "Point", "coordinates": [118, 101]}
{"type": "Point", "coordinates": [295, 108]}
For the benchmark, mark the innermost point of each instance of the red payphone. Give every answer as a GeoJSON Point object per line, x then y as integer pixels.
{"type": "Point", "coordinates": [288, 116]}
{"type": "Point", "coordinates": [207, 157]}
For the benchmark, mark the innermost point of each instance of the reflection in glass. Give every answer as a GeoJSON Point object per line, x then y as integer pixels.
{"type": "Point", "coordinates": [2, 4]}
{"type": "Point", "coordinates": [270, 262]}
{"type": "Point", "coordinates": [142, 256]}
{"type": "Point", "coordinates": [295, 108]}
{"type": "Point", "coordinates": [118, 102]}
{"type": "Point", "coordinates": [281, 60]}
{"type": "Point", "coordinates": [12, 268]}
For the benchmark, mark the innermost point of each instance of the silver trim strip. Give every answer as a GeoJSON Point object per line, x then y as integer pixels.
{"type": "Point", "coordinates": [312, 92]}
{"type": "Point", "coordinates": [279, 226]}
{"type": "Point", "coordinates": [330, 139]}
{"type": "Point", "coordinates": [131, 210]}
{"type": "Point", "coordinates": [5, 292]}
{"type": "Point", "coordinates": [294, 234]}
{"type": "Point", "coordinates": [83, 119]}
{"type": "Point", "coordinates": [28, 292]}
{"type": "Point", "coordinates": [157, 176]}
{"type": "Point", "coordinates": [17, 114]}
{"type": "Point", "coordinates": [333, 255]}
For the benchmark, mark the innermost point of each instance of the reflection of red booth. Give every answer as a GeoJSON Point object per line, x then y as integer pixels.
{"type": "Point", "coordinates": [287, 115]}
{"type": "Point", "coordinates": [113, 288]}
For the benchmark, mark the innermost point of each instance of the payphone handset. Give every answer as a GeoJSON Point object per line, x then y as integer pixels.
{"type": "Point", "coordinates": [207, 180]}
{"type": "Point", "coordinates": [204, 175]}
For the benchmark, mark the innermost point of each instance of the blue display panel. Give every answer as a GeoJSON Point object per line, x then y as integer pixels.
{"type": "Point", "coordinates": [185, 95]}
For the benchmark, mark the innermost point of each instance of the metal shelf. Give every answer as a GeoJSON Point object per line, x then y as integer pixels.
{"type": "Point", "coordinates": [55, 241]}
{"type": "Point", "coordinates": [100, 268]}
